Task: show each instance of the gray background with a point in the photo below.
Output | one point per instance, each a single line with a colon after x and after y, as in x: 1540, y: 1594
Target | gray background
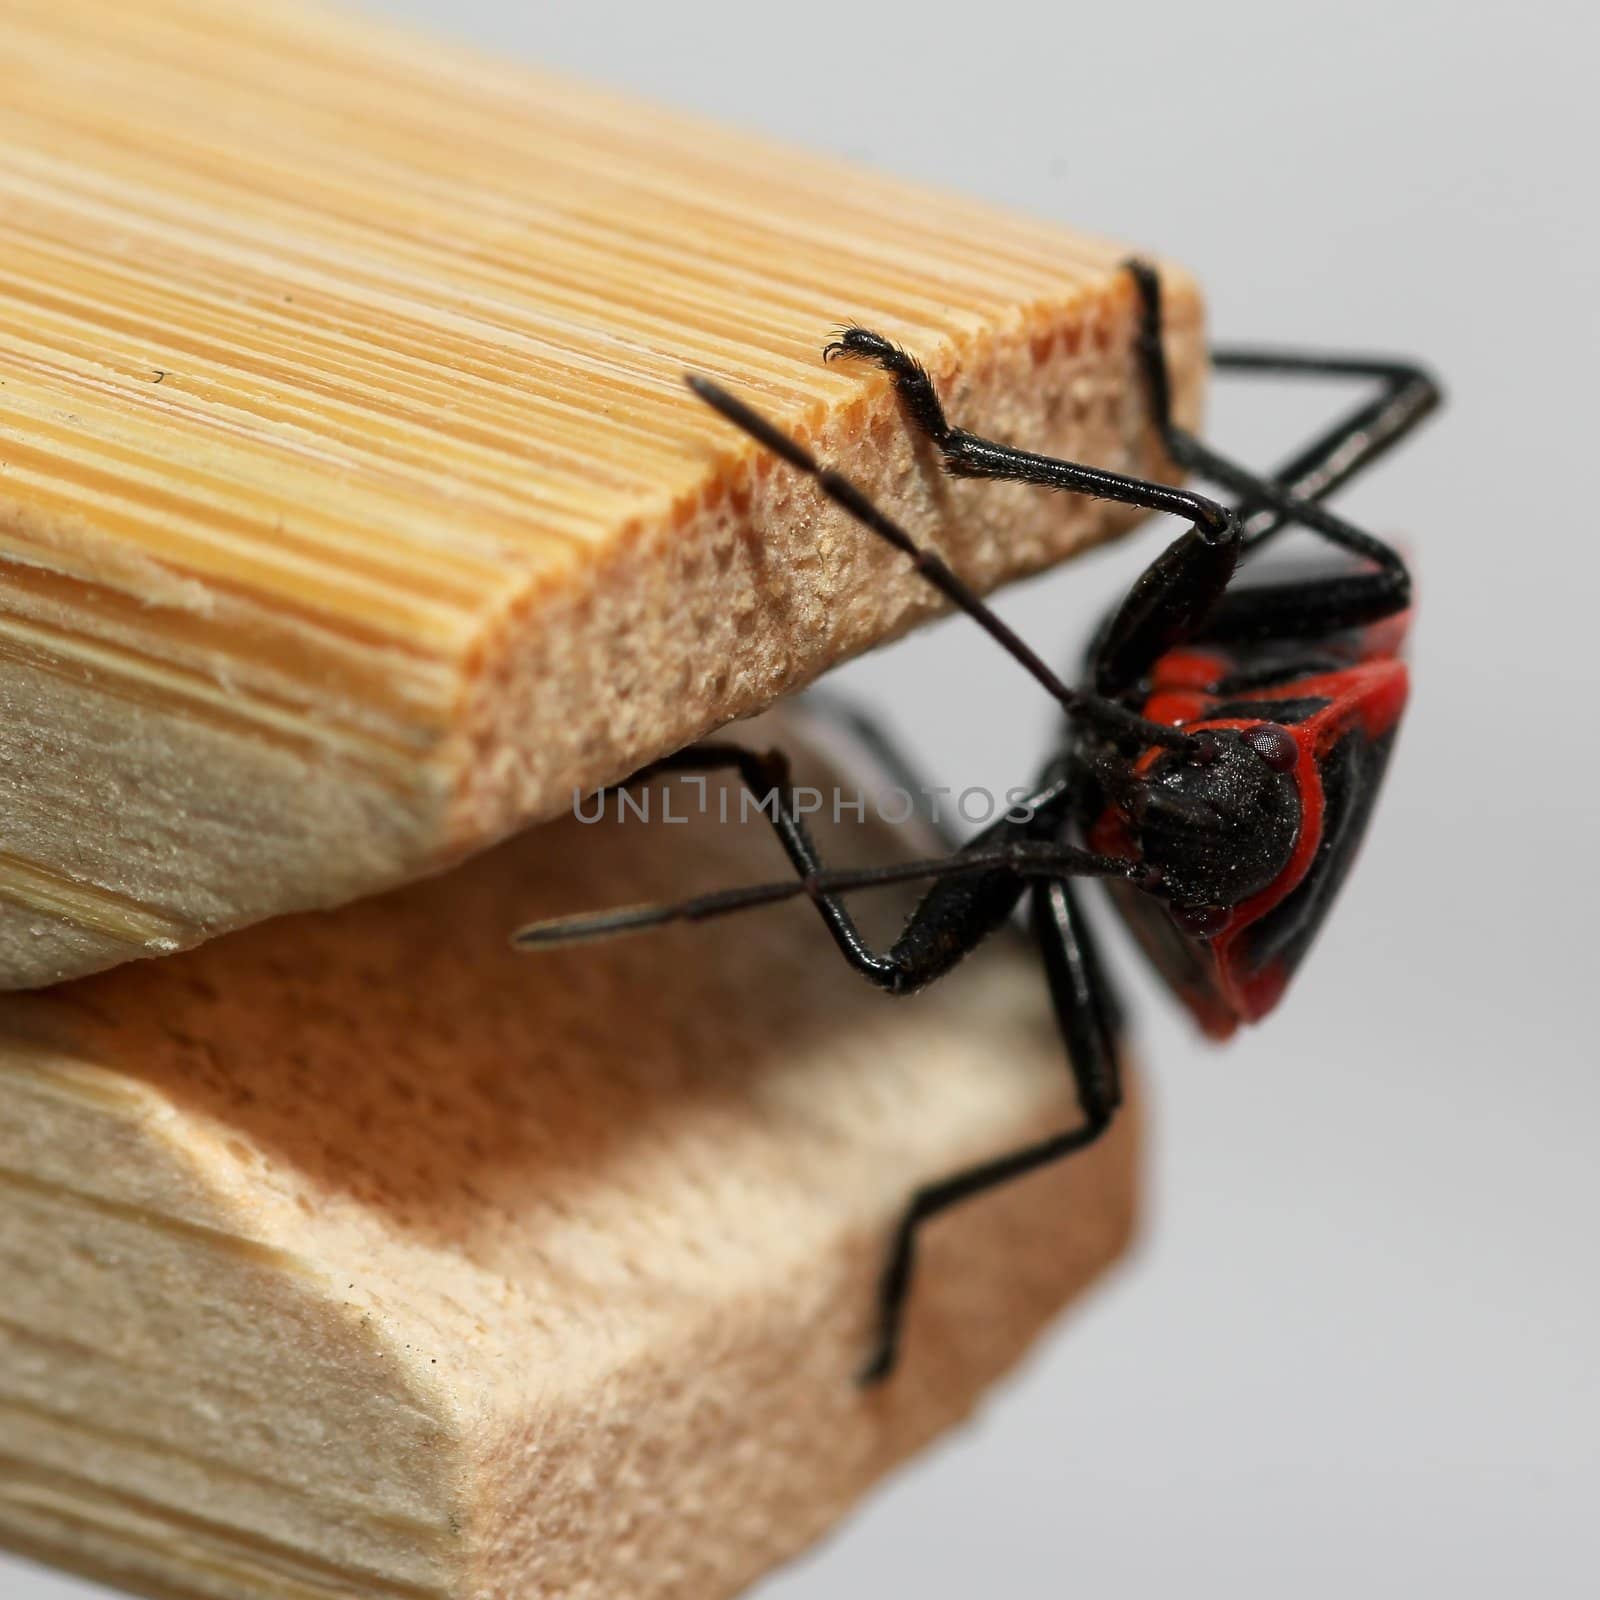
x: 1357, y: 1353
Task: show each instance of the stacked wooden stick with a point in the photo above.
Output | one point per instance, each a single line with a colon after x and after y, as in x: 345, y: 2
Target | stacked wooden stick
x: 354, y: 516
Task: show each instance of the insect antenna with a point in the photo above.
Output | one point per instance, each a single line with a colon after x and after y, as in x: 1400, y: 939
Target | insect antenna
x: 1028, y: 859
x: 931, y: 566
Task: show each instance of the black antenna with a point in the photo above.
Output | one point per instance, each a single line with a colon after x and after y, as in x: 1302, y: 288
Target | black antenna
x: 1027, y: 858
x: 845, y: 494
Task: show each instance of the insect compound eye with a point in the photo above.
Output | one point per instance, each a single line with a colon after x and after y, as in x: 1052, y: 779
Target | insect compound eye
x: 1201, y: 922
x: 1274, y: 744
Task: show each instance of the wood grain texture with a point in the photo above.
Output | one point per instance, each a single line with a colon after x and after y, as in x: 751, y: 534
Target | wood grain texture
x: 354, y: 1255
x: 352, y: 509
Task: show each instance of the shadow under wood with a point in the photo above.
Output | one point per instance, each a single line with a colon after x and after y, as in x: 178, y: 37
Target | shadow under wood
x: 399, y: 1054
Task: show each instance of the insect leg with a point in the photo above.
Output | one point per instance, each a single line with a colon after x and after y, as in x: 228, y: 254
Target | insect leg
x: 1107, y: 714
x: 966, y: 455
x: 767, y: 777
x: 1288, y: 610
x: 1405, y: 396
x: 1088, y: 1016
x: 1310, y: 607
x: 973, y: 893
x: 1171, y: 602
x: 1177, y: 591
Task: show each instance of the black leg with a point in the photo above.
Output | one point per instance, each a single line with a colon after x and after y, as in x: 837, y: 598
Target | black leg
x: 1309, y: 608
x: 1176, y: 592
x: 974, y: 889
x: 1185, y: 588
x: 1405, y: 396
x: 968, y: 456
x: 768, y: 776
x: 1113, y: 719
x: 1086, y: 1013
x: 1087, y: 1008
x: 1306, y: 608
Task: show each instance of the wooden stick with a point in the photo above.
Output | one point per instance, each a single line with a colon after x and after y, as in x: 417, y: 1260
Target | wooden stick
x: 353, y: 511
x: 355, y: 1255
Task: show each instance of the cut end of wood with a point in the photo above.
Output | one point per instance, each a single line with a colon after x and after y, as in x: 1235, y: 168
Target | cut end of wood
x: 353, y: 510
x: 355, y: 1254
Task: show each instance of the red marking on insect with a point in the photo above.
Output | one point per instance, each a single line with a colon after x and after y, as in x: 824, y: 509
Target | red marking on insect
x: 1229, y: 980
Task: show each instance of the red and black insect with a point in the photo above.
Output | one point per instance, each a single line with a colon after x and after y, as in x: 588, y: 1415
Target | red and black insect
x: 1217, y: 770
